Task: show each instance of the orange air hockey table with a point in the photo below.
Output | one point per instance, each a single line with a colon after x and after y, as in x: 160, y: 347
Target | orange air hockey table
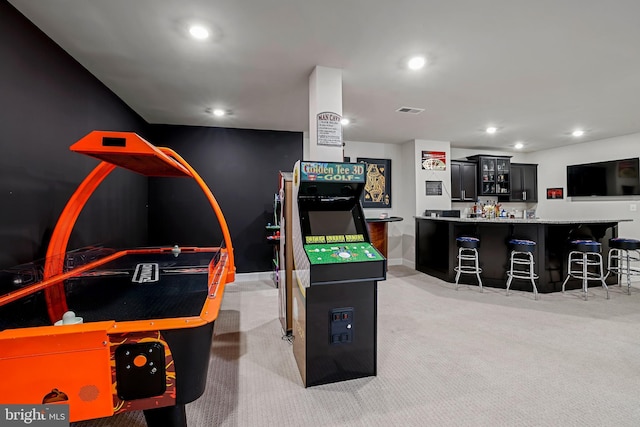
x: 140, y: 333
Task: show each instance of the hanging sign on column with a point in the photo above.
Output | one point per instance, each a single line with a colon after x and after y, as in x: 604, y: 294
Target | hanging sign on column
x: 329, y: 129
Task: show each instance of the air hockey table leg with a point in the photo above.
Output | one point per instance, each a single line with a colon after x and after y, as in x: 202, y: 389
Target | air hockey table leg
x: 167, y: 416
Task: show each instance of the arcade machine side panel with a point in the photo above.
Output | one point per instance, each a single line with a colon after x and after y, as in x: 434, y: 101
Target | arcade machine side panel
x: 286, y: 252
x: 300, y: 280
x: 53, y: 364
x: 299, y: 332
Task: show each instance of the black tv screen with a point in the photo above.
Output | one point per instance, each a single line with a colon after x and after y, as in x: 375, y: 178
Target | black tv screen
x: 610, y: 178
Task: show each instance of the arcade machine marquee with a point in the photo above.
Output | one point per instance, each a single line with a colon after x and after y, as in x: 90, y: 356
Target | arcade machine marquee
x: 139, y: 336
x: 336, y: 272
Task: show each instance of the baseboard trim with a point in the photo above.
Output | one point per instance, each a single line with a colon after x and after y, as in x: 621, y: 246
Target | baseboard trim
x: 258, y: 275
x: 410, y: 264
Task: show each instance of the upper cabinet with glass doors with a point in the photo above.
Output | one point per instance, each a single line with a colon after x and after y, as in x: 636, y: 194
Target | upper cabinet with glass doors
x: 494, y: 174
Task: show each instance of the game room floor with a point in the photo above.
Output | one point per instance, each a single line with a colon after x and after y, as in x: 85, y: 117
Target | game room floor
x: 445, y: 358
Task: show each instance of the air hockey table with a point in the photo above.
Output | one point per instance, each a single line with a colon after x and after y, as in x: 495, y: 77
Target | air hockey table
x: 116, y: 330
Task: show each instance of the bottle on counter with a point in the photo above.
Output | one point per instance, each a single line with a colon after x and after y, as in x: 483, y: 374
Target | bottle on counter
x: 489, y: 211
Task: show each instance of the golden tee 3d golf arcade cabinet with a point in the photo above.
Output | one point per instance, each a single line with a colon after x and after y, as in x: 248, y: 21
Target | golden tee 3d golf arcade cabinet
x: 336, y: 270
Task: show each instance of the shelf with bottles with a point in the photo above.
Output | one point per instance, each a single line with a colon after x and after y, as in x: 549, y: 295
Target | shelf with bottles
x: 273, y: 237
x: 494, y: 174
x: 273, y: 230
x: 502, y: 178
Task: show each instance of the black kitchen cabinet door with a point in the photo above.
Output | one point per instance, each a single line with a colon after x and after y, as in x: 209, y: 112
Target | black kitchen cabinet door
x: 524, y: 182
x: 463, y: 181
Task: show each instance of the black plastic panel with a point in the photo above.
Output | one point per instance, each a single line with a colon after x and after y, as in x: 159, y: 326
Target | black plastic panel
x: 348, y: 272
x: 137, y: 380
x: 342, y: 324
x: 114, y: 142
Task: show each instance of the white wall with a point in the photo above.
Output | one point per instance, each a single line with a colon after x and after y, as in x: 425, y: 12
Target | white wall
x: 408, y: 185
x: 409, y: 203
x: 424, y: 202
x: 416, y: 201
x: 463, y: 153
x: 552, y: 172
x: 372, y: 150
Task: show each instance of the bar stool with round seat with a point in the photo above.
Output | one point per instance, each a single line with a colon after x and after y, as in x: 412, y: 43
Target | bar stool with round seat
x: 468, y: 258
x: 584, y: 258
x: 522, y: 255
x: 622, y: 252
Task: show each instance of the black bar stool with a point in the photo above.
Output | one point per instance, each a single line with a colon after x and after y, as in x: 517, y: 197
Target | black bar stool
x: 583, y: 259
x: 621, y: 253
x: 522, y: 255
x: 468, y: 258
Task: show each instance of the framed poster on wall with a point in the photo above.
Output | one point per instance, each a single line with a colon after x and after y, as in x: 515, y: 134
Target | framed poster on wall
x: 377, y: 187
x: 329, y: 129
x: 555, y: 193
x: 433, y: 188
x: 434, y: 160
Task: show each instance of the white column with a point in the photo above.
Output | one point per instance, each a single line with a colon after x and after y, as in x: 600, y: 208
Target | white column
x: 325, y: 96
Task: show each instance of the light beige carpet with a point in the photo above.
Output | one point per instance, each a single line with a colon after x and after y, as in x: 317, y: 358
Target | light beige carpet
x: 445, y: 358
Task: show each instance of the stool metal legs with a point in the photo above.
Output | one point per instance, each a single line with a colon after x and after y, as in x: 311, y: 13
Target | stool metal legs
x: 623, y: 267
x: 466, y: 256
x: 522, y: 258
x: 582, y: 261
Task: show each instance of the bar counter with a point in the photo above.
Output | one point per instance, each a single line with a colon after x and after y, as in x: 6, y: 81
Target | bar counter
x: 436, y: 250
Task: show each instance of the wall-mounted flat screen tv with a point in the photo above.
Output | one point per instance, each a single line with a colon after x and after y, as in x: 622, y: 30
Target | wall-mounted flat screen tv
x: 610, y: 178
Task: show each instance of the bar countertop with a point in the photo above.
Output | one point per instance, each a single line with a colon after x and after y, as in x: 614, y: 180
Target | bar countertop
x: 437, y: 252
x: 523, y: 221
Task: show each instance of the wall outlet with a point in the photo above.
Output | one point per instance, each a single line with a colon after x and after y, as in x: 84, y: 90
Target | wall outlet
x: 633, y: 207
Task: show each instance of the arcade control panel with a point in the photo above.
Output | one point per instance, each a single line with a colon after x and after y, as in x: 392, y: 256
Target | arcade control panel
x: 341, y: 253
x: 344, y: 262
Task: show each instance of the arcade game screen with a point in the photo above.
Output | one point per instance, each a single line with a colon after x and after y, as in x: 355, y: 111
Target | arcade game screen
x: 324, y: 223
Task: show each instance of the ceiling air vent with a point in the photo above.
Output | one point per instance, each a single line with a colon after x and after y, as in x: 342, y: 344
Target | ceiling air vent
x: 410, y: 110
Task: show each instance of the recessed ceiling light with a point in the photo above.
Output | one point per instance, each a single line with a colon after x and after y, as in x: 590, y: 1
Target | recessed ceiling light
x: 518, y: 146
x: 417, y: 62
x: 492, y: 129
x: 198, y: 32
x: 577, y: 132
x: 218, y: 112
x: 344, y: 121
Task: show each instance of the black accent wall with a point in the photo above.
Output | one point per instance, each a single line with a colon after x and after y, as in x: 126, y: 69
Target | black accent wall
x: 241, y: 167
x: 47, y: 102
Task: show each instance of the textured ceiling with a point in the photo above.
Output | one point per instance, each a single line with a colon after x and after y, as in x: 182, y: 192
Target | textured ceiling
x: 534, y: 69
